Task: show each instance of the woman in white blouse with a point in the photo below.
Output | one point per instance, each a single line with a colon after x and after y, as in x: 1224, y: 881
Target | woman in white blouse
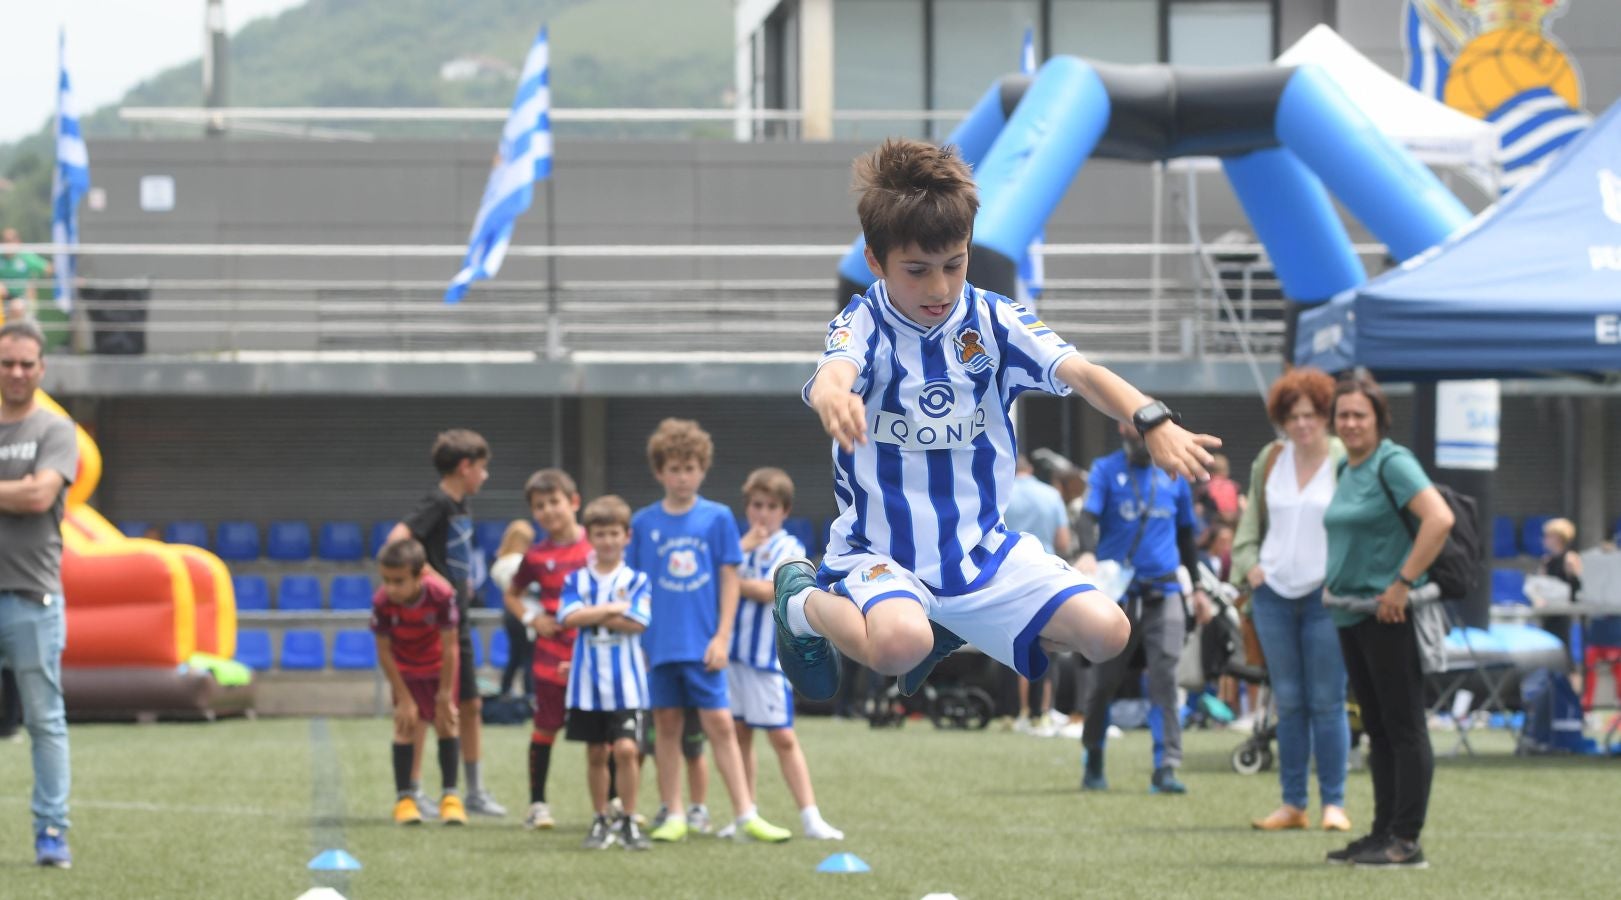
x: 1281, y: 554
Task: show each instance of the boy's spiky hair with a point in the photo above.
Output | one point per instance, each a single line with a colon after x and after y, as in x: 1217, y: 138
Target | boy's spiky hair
x: 914, y: 192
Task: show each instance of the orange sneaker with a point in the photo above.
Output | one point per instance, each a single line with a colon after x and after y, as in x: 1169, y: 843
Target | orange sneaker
x: 1335, y: 819
x: 1284, y: 818
x: 451, y: 811
x: 406, y: 812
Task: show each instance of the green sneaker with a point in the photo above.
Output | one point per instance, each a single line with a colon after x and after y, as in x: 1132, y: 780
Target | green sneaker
x: 810, y: 663
x: 758, y: 829
x: 674, y: 829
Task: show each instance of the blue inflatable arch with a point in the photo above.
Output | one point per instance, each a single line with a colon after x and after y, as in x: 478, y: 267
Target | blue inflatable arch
x: 1288, y: 139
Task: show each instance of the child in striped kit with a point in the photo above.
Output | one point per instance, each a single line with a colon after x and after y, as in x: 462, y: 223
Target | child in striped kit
x: 608, y: 603
x: 761, y: 696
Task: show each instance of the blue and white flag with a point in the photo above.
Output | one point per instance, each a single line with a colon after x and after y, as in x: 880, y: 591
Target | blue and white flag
x: 525, y: 157
x: 69, y: 181
x: 1032, y: 271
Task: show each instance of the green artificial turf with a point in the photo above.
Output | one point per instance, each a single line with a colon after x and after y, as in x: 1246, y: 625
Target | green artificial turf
x: 237, y: 809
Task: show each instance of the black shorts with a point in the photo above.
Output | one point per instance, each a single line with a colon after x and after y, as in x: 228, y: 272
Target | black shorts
x: 692, y: 736
x: 594, y: 726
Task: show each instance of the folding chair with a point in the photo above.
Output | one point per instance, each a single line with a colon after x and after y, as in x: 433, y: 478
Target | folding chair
x: 1471, y: 654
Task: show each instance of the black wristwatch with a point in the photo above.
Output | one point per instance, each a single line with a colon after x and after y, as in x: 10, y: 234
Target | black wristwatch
x: 1152, y: 416
x: 1411, y: 583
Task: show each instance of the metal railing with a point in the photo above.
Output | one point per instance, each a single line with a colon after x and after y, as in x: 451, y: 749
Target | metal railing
x: 225, y: 300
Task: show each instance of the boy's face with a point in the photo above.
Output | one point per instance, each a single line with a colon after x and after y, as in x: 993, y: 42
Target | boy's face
x: 923, y: 286
x: 554, y: 511
x: 400, y: 584
x: 680, y: 478
x: 608, y: 542
x: 765, y: 512
x: 473, y: 473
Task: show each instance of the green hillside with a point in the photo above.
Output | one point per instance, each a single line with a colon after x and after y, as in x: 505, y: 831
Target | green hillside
x: 651, y: 53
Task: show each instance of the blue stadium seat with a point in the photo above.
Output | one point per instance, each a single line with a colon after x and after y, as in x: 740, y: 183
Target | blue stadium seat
x: 134, y: 528
x: 487, y: 535
x: 237, y: 541
x: 252, y: 593
x: 351, y: 592
x: 299, y: 593
x: 379, y: 536
x: 1531, y: 535
x: 1508, y: 587
x: 186, y: 532
x: 353, y: 650
x: 303, y: 651
x: 1505, y: 539
x: 803, y: 529
x: 253, y: 649
x: 341, y: 542
x: 478, y: 648
x: 500, y: 650
x: 288, y: 541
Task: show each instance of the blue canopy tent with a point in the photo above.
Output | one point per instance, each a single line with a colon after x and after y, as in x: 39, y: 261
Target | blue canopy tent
x: 1533, y: 286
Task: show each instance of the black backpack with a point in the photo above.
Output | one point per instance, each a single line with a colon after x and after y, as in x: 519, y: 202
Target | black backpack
x: 1456, y: 569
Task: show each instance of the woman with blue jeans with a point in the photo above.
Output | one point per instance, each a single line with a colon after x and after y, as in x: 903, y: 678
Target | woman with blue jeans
x: 1280, y: 554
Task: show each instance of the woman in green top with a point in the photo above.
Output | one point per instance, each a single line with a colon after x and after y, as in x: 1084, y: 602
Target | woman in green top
x: 1371, y: 554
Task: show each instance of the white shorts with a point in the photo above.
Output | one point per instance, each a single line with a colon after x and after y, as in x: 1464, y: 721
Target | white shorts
x: 1003, y: 619
x: 760, y: 699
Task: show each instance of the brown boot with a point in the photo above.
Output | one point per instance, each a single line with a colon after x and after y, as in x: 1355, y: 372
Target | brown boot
x: 1284, y: 818
x: 1335, y: 819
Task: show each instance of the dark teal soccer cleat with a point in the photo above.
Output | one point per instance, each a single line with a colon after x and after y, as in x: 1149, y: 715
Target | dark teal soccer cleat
x: 945, y: 644
x: 811, y: 663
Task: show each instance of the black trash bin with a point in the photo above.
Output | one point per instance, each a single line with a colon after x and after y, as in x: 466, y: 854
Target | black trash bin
x: 117, y: 312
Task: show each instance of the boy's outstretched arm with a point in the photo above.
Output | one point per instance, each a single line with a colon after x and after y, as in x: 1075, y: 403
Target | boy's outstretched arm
x: 1174, y: 448
x: 843, y: 415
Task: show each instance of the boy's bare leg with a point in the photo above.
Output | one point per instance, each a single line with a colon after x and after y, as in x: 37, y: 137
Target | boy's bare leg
x: 627, y: 772
x: 667, y: 756
x: 596, y: 775
x: 723, y: 738
x: 745, y: 749
x: 697, y: 778
x: 890, y: 639
x: 1090, y: 624
x: 795, y: 771
x: 471, y: 714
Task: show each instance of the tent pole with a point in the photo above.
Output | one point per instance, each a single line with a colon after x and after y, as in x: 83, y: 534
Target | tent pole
x: 1476, y: 609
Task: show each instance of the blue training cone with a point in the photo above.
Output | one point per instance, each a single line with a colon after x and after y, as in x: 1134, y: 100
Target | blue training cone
x: 843, y: 862
x: 334, y: 861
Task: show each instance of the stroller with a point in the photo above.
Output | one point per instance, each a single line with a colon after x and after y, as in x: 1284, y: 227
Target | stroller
x: 1254, y: 755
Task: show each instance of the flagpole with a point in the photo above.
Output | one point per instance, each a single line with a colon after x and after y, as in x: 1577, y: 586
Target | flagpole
x: 554, y: 320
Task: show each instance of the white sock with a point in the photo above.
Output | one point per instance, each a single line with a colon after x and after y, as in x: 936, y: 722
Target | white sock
x: 810, y: 815
x: 798, y: 625
x: 748, y: 814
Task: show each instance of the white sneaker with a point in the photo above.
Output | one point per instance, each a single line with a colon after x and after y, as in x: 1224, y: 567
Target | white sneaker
x: 1073, y: 731
x: 481, y: 803
x: 1022, y: 725
x: 1114, y: 733
x: 698, y: 818
x: 819, y: 830
x: 727, y: 833
x: 540, y: 816
x: 1056, y: 719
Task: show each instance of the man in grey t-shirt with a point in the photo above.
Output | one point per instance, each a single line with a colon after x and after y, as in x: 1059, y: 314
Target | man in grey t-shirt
x: 39, y: 456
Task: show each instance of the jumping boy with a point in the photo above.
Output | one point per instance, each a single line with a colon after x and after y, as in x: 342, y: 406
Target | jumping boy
x: 414, y: 618
x: 688, y: 546
x: 761, y: 697
x: 443, y: 523
x: 554, y: 501
x: 915, y: 388
x: 607, y: 602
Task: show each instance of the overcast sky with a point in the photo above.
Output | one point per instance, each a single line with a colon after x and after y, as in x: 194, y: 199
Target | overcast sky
x: 112, y: 46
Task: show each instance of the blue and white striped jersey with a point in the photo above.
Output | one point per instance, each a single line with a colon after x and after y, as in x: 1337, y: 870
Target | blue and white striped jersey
x: 754, y: 637
x: 929, y: 486
x: 609, y: 671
